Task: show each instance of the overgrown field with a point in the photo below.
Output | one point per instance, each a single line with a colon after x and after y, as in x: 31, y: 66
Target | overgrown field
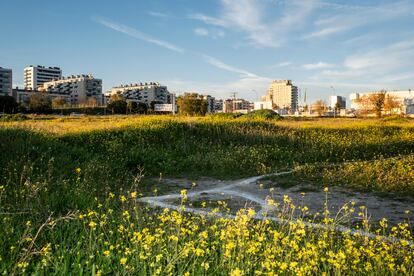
x: 68, y: 188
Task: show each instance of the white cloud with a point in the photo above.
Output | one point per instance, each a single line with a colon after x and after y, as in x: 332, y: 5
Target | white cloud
x: 319, y: 65
x: 251, y: 17
x: 137, y: 34
x: 350, y: 17
x: 389, y: 66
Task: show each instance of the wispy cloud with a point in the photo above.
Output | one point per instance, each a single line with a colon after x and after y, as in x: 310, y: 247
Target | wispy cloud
x: 350, y: 17
x: 159, y: 14
x: 221, y: 65
x: 209, y: 33
x: 281, y: 64
x: 318, y: 65
x: 137, y: 34
x: 252, y: 18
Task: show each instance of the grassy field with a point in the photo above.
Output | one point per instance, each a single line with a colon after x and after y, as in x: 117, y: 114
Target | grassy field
x: 68, y: 187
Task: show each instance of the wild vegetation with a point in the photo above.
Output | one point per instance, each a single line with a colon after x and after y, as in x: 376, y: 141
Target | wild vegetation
x: 68, y: 190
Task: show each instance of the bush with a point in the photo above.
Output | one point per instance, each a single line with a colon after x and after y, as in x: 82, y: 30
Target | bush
x: 262, y: 114
x: 13, y: 118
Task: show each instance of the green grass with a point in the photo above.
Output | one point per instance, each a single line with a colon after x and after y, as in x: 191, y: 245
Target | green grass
x: 55, y: 165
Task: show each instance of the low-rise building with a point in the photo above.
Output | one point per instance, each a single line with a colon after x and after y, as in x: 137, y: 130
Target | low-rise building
x: 6, y: 81
x: 78, y: 90
x: 218, y: 106
x: 237, y: 106
x: 22, y: 95
x: 142, y: 93
x: 263, y: 105
x: 403, y: 98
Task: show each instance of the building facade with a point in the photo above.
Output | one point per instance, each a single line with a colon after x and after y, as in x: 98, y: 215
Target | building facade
x: 404, y: 98
x: 211, y: 104
x: 142, y: 93
x: 22, y: 96
x: 35, y: 76
x: 263, y: 105
x: 77, y: 90
x: 283, y: 95
x: 6, y: 82
x: 337, y: 101
x: 237, y: 106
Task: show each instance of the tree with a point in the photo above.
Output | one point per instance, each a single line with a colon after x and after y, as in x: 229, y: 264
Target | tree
x: 320, y: 107
x: 58, y: 102
x: 192, y: 104
x: 132, y: 107
x: 377, y: 102
x: 40, y: 102
x: 142, y: 108
x: 117, y: 105
x: 391, y: 103
x: 92, y: 102
x: 8, y: 104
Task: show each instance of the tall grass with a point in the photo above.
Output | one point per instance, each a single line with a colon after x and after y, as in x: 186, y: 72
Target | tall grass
x: 59, y: 215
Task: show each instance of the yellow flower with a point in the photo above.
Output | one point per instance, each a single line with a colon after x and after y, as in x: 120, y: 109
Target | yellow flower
x: 133, y: 195
x: 205, y: 265
x: 236, y: 272
x: 326, y: 189
x: 106, y: 253
x: 78, y: 170
x: 123, y: 261
x: 92, y: 225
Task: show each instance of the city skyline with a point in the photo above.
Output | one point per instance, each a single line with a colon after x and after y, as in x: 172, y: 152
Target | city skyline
x: 218, y: 47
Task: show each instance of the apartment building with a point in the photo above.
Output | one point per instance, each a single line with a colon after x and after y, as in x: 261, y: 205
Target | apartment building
x: 142, y: 93
x: 77, y: 90
x: 35, y: 76
x: 283, y: 95
x: 6, y: 82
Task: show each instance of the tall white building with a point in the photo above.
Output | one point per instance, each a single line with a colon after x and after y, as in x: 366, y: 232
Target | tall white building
x: 6, y: 82
x: 77, y: 90
x: 283, y: 95
x: 335, y: 101
x: 142, y: 93
x: 35, y: 76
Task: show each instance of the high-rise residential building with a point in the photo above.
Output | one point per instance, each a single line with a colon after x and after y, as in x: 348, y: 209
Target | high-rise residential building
x: 142, y: 93
x: 337, y: 101
x: 35, y: 76
x: 6, y: 82
x: 283, y: 95
x: 77, y: 90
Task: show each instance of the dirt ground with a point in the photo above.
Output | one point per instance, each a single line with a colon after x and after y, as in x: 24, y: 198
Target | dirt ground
x: 208, y: 193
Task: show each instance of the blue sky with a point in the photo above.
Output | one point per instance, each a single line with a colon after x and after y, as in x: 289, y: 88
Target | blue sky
x: 218, y: 46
